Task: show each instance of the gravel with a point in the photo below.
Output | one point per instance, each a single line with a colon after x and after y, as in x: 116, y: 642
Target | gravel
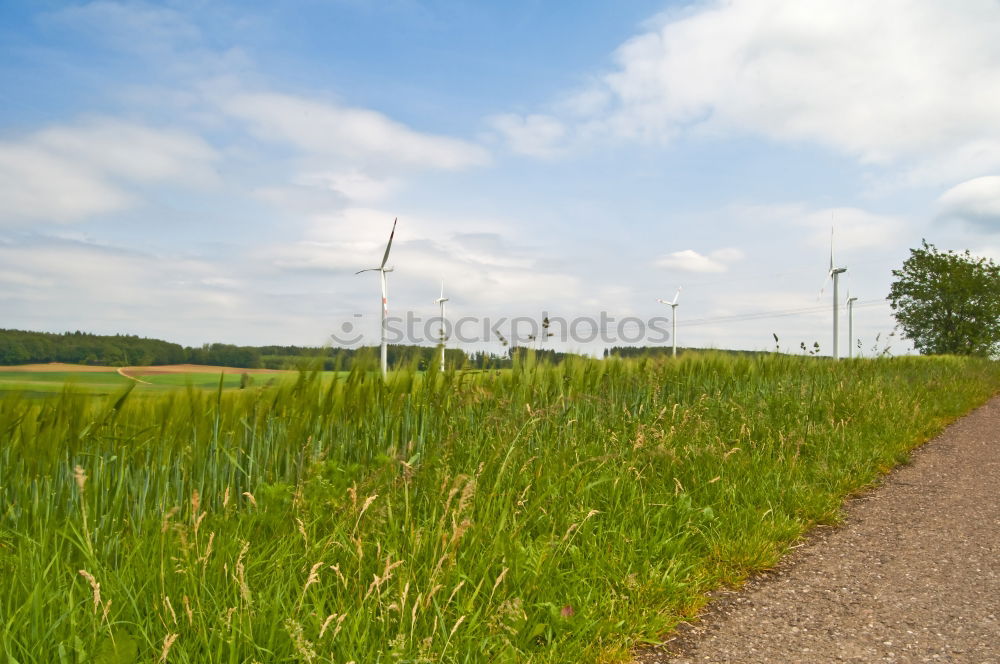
x: 912, y: 575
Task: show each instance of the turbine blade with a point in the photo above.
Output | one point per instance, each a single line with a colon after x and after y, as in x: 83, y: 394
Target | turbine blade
x: 676, y: 295
x: 385, y: 258
x: 822, y: 289
x: 831, y: 249
x: 367, y: 269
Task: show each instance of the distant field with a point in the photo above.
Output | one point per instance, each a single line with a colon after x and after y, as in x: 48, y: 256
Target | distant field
x: 56, y: 367
x: 15, y: 379
x: 52, y: 378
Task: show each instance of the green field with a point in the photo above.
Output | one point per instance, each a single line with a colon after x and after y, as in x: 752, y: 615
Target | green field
x: 206, y: 380
x: 54, y: 381
x: 545, y: 514
x: 38, y: 383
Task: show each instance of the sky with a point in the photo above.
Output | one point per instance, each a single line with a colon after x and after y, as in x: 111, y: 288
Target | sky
x: 208, y: 171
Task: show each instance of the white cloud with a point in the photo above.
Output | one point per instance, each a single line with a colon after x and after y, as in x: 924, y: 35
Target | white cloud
x: 170, y: 40
x: 55, y: 284
x: 69, y: 173
x: 310, y: 191
x: 359, y: 134
x: 853, y: 228
x: 988, y: 251
x: 976, y: 201
x: 484, y: 267
x: 37, y: 185
x: 899, y: 82
x: 353, y: 184
x: 134, y: 26
x: 690, y: 260
x: 533, y: 135
x: 132, y: 151
x: 106, y: 281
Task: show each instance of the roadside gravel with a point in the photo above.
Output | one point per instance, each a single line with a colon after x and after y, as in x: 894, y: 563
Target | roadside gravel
x: 913, y: 574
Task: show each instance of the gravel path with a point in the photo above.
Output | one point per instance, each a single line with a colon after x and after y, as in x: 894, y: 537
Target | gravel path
x: 913, y: 574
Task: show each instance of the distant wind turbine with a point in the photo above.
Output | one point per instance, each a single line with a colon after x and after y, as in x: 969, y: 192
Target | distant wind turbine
x: 382, y: 271
x: 850, y: 324
x: 673, y: 318
x: 834, y: 273
x: 441, y: 300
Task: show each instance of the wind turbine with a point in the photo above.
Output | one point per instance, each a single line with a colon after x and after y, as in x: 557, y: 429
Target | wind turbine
x: 441, y: 300
x: 382, y: 271
x: 850, y: 324
x: 673, y: 318
x: 834, y: 273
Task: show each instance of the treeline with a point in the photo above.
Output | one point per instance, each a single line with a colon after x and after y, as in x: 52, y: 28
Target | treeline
x: 24, y: 347
x: 332, y: 359
x: 658, y: 351
x: 21, y: 347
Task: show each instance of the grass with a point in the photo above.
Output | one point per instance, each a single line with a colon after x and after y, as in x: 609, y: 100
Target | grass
x: 544, y: 514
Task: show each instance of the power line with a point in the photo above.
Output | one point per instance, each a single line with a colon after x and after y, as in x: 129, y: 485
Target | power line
x: 760, y: 315
x: 771, y: 314
x: 623, y: 323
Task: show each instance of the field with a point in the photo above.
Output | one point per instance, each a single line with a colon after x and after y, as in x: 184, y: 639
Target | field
x: 545, y: 514
x: 47, y: 379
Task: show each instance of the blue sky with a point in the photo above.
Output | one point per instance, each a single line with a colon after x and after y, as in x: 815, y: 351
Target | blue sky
x: 213, y: 171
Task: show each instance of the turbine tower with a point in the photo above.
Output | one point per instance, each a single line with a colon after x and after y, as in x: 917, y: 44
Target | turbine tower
x: 834, y: 273
x: 673, y: 318
x: 850, y: 324
x: 382, y: 271
x: 441, y: 300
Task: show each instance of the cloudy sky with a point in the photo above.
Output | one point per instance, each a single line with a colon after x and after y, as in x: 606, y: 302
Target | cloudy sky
x: 218, y: 171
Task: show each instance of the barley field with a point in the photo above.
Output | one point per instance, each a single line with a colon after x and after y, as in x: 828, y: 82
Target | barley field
x: 545, y: 514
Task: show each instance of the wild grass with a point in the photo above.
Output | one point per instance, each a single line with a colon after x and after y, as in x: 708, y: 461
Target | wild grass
x: 544, y: 514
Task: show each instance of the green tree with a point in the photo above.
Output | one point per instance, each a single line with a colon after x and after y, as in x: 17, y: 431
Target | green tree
x: 947, y: 302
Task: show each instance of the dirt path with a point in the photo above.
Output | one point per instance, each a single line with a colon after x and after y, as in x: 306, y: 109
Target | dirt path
x: 913, y: 575
x: 121, y: 372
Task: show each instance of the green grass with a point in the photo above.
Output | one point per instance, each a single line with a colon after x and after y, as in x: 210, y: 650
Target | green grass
x: 545, y: 514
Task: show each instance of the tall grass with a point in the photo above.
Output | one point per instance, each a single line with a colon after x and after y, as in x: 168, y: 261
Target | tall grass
x: 544, y: 514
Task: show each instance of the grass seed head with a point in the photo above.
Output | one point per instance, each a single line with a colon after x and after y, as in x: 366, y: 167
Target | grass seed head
x: 80, y: 476
x: 168, y: 642
x: 95, y: 587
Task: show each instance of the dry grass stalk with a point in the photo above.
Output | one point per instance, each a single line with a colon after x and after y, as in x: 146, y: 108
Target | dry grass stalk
x: 95, y: 587
x: 240, y: 576
x: 80, y: 476
x: 168, y: 641
x: 188, y: 610
x: 169, y: 608
x: 310, y: 580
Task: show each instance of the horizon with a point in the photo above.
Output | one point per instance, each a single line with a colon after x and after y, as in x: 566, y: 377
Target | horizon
x: 194, y: 172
